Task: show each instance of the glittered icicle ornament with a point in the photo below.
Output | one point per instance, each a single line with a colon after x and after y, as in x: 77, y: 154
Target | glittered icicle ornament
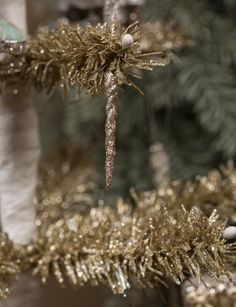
x: 111, y: 92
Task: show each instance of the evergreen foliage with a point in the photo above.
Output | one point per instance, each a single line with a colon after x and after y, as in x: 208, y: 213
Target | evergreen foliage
x: 197, y: 93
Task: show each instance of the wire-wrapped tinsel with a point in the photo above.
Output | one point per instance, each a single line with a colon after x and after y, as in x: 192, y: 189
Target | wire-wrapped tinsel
x: 9, y: 265
x: 74, y: 55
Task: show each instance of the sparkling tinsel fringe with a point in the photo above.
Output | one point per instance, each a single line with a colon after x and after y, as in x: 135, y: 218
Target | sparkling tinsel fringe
x: 151, y: 244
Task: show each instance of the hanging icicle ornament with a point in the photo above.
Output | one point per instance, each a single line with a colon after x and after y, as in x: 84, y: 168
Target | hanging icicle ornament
x: 111, y: 113
x: 99, y: 59
x: 111, y: 92
x: 71, y: 55
x: 85, y: 56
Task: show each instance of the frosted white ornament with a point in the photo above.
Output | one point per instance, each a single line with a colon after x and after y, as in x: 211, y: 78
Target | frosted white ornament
x: 229, y: 233
x: 127, y: 41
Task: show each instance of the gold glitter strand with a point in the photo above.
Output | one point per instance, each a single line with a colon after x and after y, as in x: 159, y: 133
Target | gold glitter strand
x: 111, y: 92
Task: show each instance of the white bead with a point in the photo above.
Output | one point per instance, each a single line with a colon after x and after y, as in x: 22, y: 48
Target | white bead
x: 229, y: 233
x: 127, y: 41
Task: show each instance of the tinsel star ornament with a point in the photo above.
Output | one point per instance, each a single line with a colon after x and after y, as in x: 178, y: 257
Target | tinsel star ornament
x: 12, y: 48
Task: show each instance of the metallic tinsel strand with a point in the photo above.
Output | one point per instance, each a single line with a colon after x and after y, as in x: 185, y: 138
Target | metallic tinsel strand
x: 116, y: 246
x: 111, y: 92
x: 72, y: 55
x: 148, y: 244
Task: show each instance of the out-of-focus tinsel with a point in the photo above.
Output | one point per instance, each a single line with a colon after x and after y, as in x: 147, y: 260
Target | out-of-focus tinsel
x: 214, y: 191
x: 163, y: 37
x: 9, y: 265
x: 210, y: 294
x: 65, y: 185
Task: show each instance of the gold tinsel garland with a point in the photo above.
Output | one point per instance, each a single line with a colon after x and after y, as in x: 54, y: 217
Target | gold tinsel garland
x: 150, y: 244
x: 73, y: 55
x: 112, y: 247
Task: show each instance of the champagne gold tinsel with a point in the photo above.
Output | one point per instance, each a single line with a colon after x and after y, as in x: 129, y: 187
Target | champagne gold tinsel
x: 112, y: 246
x: 82, y: 56
x: 210, y: 294
x: 214, y: 191
x: 157, y: 241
